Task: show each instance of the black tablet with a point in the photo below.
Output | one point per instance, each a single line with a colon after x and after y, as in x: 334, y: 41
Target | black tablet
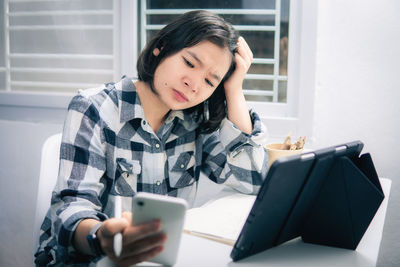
x: 299, y: 190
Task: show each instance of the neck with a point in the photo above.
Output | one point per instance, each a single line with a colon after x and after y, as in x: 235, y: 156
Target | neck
x: 154, y: 109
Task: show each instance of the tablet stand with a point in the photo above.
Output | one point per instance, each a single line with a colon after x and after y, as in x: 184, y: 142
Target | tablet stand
x: 347, y: 201
x: 328, y: 197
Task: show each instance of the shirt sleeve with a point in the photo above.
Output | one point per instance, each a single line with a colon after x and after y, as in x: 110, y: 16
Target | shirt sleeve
x: 237, y: 158
x: 78, y: 189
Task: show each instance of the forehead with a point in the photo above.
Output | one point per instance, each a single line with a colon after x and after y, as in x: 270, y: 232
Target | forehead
x: 211, y: 56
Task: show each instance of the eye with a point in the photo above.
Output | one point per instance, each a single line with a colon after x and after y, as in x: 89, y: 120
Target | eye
x: 188, y: 63
x: 209, y: 83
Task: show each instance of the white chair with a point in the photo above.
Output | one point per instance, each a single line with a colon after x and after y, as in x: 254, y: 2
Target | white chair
x: 47, y: 181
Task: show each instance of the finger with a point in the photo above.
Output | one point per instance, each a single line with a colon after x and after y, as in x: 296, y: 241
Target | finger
x: 242, y: 63
x: 241, y: 50
x: 145, y: 256
x: 246, y: 48
x: 128, y: 216
x: 242, y: 58
x: 112, y: 226
x: 245, y: 52
x: 143, y: 245
x: 136, y: 232
x: 107, y: 232
x: 140, y: 247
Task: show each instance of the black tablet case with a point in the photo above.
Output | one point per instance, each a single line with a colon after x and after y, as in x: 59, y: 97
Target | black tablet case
x: 327, y: 197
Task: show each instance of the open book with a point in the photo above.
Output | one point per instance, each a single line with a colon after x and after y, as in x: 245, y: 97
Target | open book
x: 221, y: 219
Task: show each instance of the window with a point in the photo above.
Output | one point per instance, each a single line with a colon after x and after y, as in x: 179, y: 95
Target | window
x: 63, y: 45
x: 264, y: 25
x: 3, y: 69
x: 57, y: 46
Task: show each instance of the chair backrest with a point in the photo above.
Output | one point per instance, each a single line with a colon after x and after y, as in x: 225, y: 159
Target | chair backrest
x: 47, y: 181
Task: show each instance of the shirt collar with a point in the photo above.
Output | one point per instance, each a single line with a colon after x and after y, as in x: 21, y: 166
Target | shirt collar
x: 130, y: 107
x: 175, y: 114
x: 128, y: 101
x: 186, y: 120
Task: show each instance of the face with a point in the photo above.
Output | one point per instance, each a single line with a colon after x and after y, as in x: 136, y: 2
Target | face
x: 190, y: 76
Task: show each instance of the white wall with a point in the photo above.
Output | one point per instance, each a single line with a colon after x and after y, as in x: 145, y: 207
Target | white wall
x: 20, y: 152
x: 358, y: 91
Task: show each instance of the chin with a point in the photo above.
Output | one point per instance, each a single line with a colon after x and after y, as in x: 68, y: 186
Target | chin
x: 175, y: 105
x: 179, y: 107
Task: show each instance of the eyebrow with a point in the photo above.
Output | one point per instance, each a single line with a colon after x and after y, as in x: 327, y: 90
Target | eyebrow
x: 216, y: 77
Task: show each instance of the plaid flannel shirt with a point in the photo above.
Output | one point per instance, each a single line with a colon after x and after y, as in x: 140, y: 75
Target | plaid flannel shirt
x: 109, y: 149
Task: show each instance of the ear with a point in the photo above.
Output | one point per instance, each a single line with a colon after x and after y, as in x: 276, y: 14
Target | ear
x: 156, y: 51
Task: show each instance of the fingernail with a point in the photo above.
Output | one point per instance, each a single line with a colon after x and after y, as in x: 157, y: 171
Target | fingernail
x: 157, y: 224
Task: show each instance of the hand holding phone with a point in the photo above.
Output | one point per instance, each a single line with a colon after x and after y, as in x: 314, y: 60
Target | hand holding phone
x: 140, y: 243
x: 170, y: 211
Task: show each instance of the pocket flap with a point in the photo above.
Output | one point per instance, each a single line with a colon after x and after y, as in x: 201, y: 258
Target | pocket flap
x: 181, y: 162
x: 181, y: 170
x: 129, y: 166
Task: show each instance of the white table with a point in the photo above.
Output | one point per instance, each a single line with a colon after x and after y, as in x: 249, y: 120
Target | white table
x: 196, y: 251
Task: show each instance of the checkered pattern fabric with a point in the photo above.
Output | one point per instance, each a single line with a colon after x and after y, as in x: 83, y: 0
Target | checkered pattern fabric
x: 109, y: 149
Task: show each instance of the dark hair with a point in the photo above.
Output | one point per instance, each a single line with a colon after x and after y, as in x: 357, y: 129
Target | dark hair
x: 188, y: 30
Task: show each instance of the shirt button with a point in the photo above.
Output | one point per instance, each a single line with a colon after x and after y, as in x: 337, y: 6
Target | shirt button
x: 182, y: 166
x: 143, y: 122
x: 157, y: 145
x: 158, y: 183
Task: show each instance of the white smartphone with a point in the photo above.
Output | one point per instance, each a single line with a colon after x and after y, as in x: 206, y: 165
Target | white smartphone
x: 171, y: 211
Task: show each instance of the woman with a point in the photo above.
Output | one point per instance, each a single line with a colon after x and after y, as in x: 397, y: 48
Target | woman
x: 185, y: 114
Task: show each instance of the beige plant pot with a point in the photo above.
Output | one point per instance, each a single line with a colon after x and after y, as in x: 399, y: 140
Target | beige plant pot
x: 274, y: 152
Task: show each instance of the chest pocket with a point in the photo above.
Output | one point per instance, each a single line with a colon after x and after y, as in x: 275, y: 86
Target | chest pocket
x: 181, y: 170
x: 126, y: 176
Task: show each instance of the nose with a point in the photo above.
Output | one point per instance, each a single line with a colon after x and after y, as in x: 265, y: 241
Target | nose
x: 191, y: 84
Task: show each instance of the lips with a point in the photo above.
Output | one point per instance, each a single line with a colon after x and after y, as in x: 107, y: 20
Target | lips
x: 179, y: 96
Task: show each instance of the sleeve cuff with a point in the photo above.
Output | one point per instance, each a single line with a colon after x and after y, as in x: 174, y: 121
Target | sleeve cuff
x: 235, y: 141
x: 68, y: 228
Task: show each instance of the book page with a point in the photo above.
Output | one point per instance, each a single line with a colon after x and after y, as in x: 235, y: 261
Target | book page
x: 221, y: 218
